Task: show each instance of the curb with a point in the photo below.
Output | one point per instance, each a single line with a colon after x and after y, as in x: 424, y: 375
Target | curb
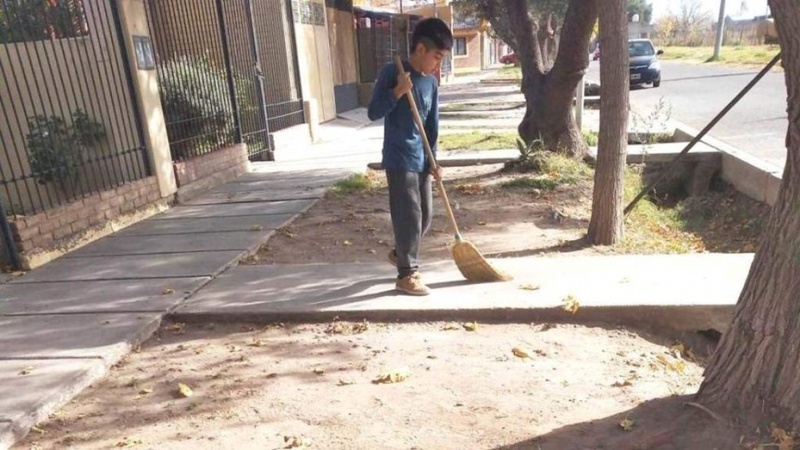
x: 683, y: 322
x: 750, y: 175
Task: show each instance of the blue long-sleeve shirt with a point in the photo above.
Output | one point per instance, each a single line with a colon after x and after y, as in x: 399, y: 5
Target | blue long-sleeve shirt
x: 402, y: 142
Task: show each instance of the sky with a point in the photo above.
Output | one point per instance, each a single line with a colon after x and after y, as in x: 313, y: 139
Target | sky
x: 733, y: 8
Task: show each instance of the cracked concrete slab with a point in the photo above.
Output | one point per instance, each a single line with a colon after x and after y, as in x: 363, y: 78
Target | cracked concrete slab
x: 627, y: 287
x: 97, y: 296
x: 207, y: 225
x: 102, y: 336
x: 174, y: 243
x: 175, y: 265
x: 225, y: 197
x: 236, y: 209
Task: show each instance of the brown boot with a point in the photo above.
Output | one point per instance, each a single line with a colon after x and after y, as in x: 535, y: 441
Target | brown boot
x: 412, y: 285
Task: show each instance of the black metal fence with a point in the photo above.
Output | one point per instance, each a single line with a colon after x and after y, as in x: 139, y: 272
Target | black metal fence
x: 69, y: 126
x: 380, y: 36
x: 215, y: 88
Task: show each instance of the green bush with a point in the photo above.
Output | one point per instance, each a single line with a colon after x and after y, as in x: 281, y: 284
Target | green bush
x: 196, y: 102
x: 57, y: 150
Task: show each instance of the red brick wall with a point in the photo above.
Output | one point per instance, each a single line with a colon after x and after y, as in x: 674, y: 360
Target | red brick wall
x: 58, y: 228
x: 230, y: 161
x: 473, y: 58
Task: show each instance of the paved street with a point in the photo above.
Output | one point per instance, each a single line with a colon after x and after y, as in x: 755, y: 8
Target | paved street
x: 697, y: 92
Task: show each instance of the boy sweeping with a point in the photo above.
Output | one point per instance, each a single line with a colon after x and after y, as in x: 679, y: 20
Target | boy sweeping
x: 408, y: 171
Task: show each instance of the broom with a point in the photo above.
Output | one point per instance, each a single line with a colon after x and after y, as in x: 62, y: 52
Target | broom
x: 469, y: 260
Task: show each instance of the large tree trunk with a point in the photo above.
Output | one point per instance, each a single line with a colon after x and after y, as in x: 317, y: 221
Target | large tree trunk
x: 549, y: 92
x: 757, y: 364
x: 605, y: 226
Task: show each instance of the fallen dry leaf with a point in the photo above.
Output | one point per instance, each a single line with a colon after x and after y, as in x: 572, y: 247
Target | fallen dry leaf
x: 178, y: 328
x: 184, y: 390
x: 296, y: 442
x: 395, y: 376
x: 627, y: 423
x: 168, y: 291
x: 677, y: 366
x: 38, y: 430
x: 318, y: 371
x: 128, y: 442
x: 784, y: 439
x: 347, y: 243
x: 451, y: 327
x: 571, y: 304
x: 520, y: 353
x: 470, y: 326
x: 146, y: 391
x: 482, y: 223
x: 621, y: 383
x: 345, y: 383
x: 257, y: 343
x: 256, y: 228
x: 27, y: 371
x: 529, y: 287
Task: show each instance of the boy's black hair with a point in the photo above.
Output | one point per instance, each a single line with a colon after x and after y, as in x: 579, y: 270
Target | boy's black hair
x: 433, y: 33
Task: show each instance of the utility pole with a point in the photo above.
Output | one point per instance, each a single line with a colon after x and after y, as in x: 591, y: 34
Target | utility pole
x: 720, y: 30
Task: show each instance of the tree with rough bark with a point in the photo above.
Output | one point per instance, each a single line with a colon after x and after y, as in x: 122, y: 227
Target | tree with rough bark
x: 551, y: 38
x: 755, y: 369
x: 606, y: 224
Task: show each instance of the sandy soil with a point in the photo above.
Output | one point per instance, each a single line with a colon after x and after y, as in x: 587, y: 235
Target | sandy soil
x: 532, y: 386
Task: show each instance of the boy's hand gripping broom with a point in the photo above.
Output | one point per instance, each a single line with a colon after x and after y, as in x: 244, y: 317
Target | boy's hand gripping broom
x: 468, y: 259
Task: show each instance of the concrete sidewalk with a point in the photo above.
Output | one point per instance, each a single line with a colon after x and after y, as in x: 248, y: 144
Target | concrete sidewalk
x: 62, y: 326
x: 671, y: 293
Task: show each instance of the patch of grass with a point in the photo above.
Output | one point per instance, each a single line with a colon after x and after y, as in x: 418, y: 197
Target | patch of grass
x: 745, y: 55
x: 591, y: 138
x: 354, y: 183
x: 492, y: 141
x: 724, y: 221
x: 543, y: 182
x: 477, y: 141
x: 727, y: 220
x: 554, y: 170
x: 508, y: 73
x: 650, y: 228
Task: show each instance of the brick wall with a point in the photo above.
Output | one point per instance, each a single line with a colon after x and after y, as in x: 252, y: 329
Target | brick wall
x: 44, y: 236
x: 472, y: 60
x: 207, y: 171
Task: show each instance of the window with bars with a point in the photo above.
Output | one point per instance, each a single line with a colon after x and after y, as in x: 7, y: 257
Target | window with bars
x: 460, y: 46
x: 40, y: 20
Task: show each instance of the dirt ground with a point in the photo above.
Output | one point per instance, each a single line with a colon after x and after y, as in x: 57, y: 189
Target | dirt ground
x: 535, y: 386
x: 501, y: 222
x: 357, y: 228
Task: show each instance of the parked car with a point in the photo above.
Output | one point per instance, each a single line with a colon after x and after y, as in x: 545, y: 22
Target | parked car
x: 510, y: 58
x: 645, y: 68
x: 596, y: 53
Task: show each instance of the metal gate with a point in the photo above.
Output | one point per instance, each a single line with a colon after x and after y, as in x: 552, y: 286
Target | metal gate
x: 69, y: 127
x: 227, y: 73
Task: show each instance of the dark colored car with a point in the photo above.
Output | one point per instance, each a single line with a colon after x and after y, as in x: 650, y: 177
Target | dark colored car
x: 645, y: 67
x: 510, y: 58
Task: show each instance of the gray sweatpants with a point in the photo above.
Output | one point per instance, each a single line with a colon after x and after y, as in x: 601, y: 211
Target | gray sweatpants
x: 410, y: 204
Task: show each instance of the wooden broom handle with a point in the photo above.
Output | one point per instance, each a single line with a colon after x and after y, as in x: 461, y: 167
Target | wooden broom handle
x: 418, y: 120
